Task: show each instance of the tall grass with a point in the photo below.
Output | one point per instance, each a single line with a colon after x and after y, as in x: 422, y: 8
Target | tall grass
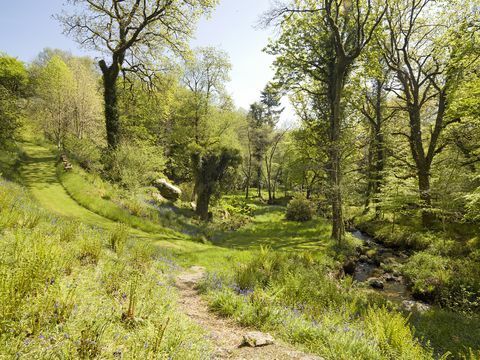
x: 100, y: 201
x: 297, y: 297
x: 64, y: 290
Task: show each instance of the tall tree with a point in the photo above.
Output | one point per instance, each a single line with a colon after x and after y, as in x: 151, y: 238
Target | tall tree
x: 205, y: 76
x: 372, y: 103
x: 426, y: 71
x: 133, y: 33
x: 317, y: 48
x: 55, y: 88
x: 13, y: 81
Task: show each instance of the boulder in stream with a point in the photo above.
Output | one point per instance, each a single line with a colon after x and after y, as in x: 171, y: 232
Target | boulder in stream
x: 376, y: 283
x: 411, y: 305
x: 349, y: 266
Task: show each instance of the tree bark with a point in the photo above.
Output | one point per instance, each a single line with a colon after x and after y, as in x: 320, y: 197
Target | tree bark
x: 203, y: 202
x: 335, y: 173
x: 112, y: 118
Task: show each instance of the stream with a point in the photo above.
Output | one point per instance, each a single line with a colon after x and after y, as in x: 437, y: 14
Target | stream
x: 379, y: 266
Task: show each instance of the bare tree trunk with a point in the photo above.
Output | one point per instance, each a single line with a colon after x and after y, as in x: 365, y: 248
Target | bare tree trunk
x: 335, y: 94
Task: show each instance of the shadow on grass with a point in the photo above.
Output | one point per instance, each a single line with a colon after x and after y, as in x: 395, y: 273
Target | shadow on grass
x: 449, y: 331
x: 269, y: 228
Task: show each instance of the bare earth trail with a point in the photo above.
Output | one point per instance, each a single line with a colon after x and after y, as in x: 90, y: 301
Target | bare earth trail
x: 224, y: 334
x: 39, y: 175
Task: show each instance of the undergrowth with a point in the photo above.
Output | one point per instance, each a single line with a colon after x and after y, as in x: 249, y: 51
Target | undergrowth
x: 299, y: 297
x: 70, y: 291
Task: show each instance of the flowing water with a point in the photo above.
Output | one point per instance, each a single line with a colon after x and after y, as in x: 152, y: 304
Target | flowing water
x: 373, y: 266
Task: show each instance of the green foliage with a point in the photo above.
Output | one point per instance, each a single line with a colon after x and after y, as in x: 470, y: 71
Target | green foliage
x: 291, y: 294
x: 135, y: 165
x: 300, y: 209
x: 48, y: 296
x: 13, y: 81
x: 85, y: 151
x: 118, y: 238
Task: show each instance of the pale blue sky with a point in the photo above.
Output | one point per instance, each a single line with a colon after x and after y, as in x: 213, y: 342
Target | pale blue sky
x: 26, y: 27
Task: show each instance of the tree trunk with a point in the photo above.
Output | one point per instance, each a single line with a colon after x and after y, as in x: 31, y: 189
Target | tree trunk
x: 425, y: 197
x: 203, y: 202
x: 247, y: 188
x: 379, y: 168
x: 259, y: 182
x: 335, y: 93
x: 112, y: 119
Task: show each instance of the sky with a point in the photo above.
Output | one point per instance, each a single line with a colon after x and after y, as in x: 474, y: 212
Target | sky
x: 27, y: 27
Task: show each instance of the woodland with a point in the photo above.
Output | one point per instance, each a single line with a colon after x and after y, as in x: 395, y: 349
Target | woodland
x: 349, y: 232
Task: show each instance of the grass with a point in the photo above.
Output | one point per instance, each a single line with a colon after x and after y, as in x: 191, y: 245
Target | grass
x: 64, y: 291
x: 89, y: 196
x: 111, y: 296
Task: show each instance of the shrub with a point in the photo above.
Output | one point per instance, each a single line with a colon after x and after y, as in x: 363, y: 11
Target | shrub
x: 85, y: 151
x: 427, y: 274
x: 118, y: 238
x: 300, y: 209
x: 134, y: 165
x: 89, y: 248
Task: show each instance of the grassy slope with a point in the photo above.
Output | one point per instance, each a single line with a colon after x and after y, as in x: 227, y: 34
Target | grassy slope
x: 268, y: 229
x: 39, y: 176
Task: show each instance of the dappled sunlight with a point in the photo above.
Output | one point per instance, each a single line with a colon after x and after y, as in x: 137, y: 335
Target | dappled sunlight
x: 269, y: 228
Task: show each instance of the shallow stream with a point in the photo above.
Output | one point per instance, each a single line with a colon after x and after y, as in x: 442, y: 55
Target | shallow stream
x: 379, y: 266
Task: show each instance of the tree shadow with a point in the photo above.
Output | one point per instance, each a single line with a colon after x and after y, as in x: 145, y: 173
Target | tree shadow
x: 270, y: 229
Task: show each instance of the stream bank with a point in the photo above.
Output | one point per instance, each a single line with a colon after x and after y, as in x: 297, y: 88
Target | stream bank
x: 380, y: 267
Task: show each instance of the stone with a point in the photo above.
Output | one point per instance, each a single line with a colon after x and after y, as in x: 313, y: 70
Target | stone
x: 390, y: 277
x: 349, y: 267
x: 376, y: 283
x: 158, y: 198
x: 411, y: 305
x: 364, y: 258
x: 257, y: 338
x: 167, y: 190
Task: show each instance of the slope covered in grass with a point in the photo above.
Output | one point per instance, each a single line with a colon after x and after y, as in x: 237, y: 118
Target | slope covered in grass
x: 69, y: 290
x: 292, y: 293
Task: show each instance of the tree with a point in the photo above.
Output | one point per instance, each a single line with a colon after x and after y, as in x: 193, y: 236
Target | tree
x: 271, y: 176
x: 13, y: 81
x: 317, y: 48
x: 133, y: 33
x: 426, y: 73
x: 371, y: 101
x: 210, y: 168
x: 86, y: 100
x: 55, y: 88
x: 263, y: 117
x: 205, y: 76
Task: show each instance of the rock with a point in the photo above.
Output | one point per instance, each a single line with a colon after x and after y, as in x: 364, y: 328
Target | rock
x: 167, y: 190
x: 257, y: 338
x: 376, y: 283
x: 389, y: 277
x: 349, y: 267
x: 193, y: 205
x: 411, y: 305
x: 364, y: 258
x: 158, y: 198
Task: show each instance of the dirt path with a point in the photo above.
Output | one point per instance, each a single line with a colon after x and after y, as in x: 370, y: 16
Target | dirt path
x: 224, y: 334
x: 39, y: 175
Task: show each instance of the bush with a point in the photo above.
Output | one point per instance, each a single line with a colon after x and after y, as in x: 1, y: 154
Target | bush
x: 300, y: 209
x: 427, y: 274
x: 85, y: 151
x: 118, y: 238
x: 134, y: 165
